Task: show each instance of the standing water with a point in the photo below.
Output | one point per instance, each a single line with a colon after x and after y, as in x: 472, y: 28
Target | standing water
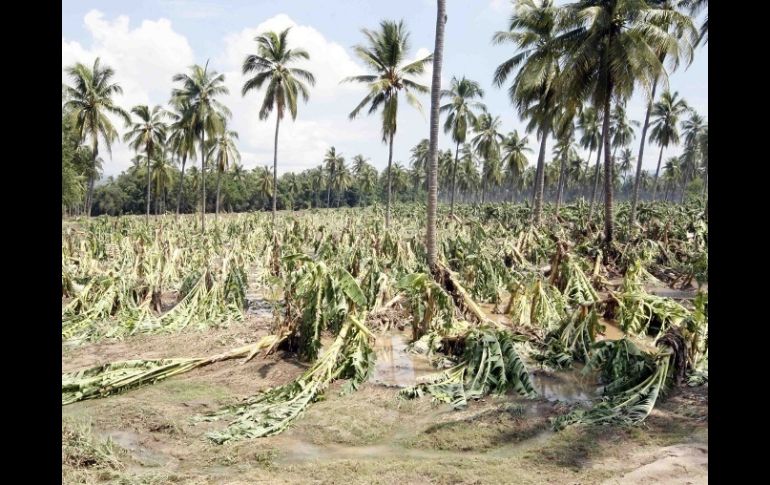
x: 395, y: 365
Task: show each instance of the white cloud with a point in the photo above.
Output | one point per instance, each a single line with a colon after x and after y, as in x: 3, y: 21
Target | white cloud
x: 191, y: 9
x: 144, y: 59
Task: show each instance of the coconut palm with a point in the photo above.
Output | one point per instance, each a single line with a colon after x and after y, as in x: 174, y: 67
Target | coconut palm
x: 611, y: 45
x: 672, y: 173
x: 564, y: 150
x: 461, y: 117
x: 206, y: 114
x: 359, y: 164
x: 162, y: 173
x: 385, y: 55
x: 692, y: 130
x: 317, y: 182
x: 89, y: 101
x: 487, y: 146
x: 514, y: 158
x: 148, y: 133
x: 419, y: 157
x: 469, y: 177
x: 673, y: 53
x: 265, y: 182
x: 368, y: 181
x: 342, y: 179
x: 181, y: 140
x: 626, y: 162
x: 589, y: 124
x: 433, y: 153
x: 224, y: 151
x: 695, y: 7
x: 533, y: 28
x: 333, y: 161
x: 271, y: 64
x: 665, y: 132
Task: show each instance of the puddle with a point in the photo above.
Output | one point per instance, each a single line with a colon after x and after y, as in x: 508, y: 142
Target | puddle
x: 611, y: 330
x: 489, y: 311
x: 259, y: 307
x: 569, y: 387
x: 395, y: 366
x: 666, y: 292
x: 131, y: 442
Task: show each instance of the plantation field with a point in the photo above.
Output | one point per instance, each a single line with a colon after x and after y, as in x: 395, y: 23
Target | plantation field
x: 325, y: 351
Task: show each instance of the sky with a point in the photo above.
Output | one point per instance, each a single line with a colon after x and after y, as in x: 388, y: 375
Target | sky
x: 146, y: 42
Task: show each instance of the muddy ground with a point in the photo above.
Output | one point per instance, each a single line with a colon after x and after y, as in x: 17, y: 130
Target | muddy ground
x: 147, y: 436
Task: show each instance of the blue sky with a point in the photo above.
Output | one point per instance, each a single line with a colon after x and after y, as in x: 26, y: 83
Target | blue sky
x: 146, y: 42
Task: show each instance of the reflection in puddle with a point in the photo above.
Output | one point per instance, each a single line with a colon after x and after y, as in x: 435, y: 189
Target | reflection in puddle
x: 570, y: 386
x: 395, y: 366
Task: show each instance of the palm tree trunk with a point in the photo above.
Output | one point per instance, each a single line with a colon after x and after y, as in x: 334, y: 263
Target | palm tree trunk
x: 390, y: 161
x: 275, y: 167
x: 181, y: 186
x: 219, y: 186
x: 561, y: 184
x: 203, y: 181
x: 435, y: 91
x: 596, y: 176
x: 668, y: 186
x: 92, y: 176
x: 657, y: 172
x: 588, y: 167
x: 684, y: 186
x: 454, y: 181
x: 537, y: 196
x: 329, y: 189
x: 147, y: 216
x: 608, y: 220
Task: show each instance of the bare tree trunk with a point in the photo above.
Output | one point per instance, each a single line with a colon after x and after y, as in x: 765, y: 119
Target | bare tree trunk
x: 92, y: 176
x: 560, y: 184
x: 608, y: 219
x: 537, y: 196
x: 454, y: 181
x: 596, y: 176
x: 219, y: 186
x: 390, y: 162
x: 275, y: 166
x: 203, y: 181
x: 657, y: 172
x: 181, y: 186
x: 147, y: 216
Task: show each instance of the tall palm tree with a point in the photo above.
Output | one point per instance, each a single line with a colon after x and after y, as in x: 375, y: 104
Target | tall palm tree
x: 161, y: 178
x: 384, y: 56
x: 470, y: 179
x: 342, y: 179
x: 316, y: 182
x: 591, y: 139
x: 564, y: 151
x: 148, y: 133
x: 672, y: 173
x: 284, y: 84
x: 368, y: 181
x: 514, y: 158
x: 626, y: 162
x: 692, y: 129
x: 695, y: 7
x: 665, y: 132
x: 181, y: 140
x: 206, y: 114
x: 435, y: 93
x: 487, y: 146
x: 533, y: 28
x: 461, y: 117
x: 611, y: 45
x: 681, y: 26
x: 266, y: 183
x: 89, y: 101
x: 224, y: 152
x: 333, y: 161
x: 359, y: 164
x: 420, y: 158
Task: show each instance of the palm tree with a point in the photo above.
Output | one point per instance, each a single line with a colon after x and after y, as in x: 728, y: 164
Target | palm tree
x: 206, y: 114
x: 271, y: 64
x: 461, y: 117
x: 681, y: 25
x: 266, y: 183
x: 514, y: 158
x: 591, y: 139
x: 148, y: 133
x: 384, y: 56
x: 445, y: 167
x: 161, y: 178
x: 359, y: 164
x: 333, y: 161
x: 666, y: 114
x: 532, y: 29
x: 695, y: 7
x: 470, y: 180
x: 487, y: 146
x: 626, y: 162
x: 692, y: 129
x: 672, y: 173
x: 420, y: 158
x: 368, y: 181
x: 342, y: 179
x: 564, y: 151
x: 316, y: 182
x: 89, y: 101
x: 435, y: 93
x: 224, y: 151
x: 181, y: 140
x: 611, y: 45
